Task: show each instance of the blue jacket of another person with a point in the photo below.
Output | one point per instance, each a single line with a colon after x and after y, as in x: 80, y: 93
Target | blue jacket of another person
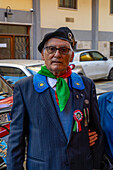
x: 106, y: 116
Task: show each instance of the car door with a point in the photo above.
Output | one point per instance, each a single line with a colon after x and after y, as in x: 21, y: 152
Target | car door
x: 101, y: 65
x: 94, y: 64
x: 87, y: 63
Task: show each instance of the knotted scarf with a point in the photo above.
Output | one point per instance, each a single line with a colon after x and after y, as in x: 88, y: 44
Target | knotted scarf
x: 62, y: 89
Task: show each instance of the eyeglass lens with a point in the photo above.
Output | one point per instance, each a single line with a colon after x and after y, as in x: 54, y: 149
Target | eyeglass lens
x: 52, y: 50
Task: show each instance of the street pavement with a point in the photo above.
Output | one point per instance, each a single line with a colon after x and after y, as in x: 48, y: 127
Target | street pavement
x: 103, y: 86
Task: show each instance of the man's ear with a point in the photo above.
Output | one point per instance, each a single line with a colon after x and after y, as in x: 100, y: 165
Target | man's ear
x: 72, y: 56
x: 42, y: 55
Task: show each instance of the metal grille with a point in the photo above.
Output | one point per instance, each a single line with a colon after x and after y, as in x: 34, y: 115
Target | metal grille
x: 22, y: 50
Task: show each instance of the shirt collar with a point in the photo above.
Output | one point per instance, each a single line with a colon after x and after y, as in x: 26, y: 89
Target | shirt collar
x: 52, y: 82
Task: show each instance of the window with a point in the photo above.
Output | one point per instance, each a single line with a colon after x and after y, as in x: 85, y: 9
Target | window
x: 68, y: 4
x: 5, y: 90
x: 13, y: 29
x: 111, y: 6
x: 85, y: 57
x: 97, y: 56
x: 12, y: 74
x: 111, y: 48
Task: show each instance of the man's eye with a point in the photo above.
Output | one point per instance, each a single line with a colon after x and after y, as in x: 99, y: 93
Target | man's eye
x: 52, y: 48
x: 63, y: 49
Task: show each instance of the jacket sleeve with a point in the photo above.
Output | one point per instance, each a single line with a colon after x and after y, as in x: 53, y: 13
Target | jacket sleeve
x: 94, y: 125
x: 16, y: 140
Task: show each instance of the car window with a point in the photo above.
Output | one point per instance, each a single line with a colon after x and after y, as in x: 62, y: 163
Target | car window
x: 85, y: 57
x: 5, y: 90
x: 96, y: 55
x: 11, y: 74
x: 34, y: 69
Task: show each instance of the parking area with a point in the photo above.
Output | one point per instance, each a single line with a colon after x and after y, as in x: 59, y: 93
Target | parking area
x: 103, y: 86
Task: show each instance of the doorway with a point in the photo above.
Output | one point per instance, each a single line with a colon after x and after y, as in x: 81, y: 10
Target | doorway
x: 14, y: 42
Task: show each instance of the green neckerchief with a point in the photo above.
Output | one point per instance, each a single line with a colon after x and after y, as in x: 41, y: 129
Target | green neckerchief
x: 62, y: 89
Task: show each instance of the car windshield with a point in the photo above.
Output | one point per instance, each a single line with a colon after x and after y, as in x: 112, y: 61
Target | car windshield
x: 34, y: 69
x: 5, y: 90
x: 12, y: 74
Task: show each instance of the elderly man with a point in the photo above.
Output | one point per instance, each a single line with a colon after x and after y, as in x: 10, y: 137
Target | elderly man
x: 55, y: 109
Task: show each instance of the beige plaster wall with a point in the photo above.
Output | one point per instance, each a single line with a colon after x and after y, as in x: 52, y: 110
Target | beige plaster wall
x: 105, y: 18
x: 104, y: 48
x: 83, y: 44
x: 52, y: 16
x: 24, y: 5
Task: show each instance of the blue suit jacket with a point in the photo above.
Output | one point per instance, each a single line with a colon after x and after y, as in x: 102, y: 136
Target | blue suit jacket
x: 34, y: 114
x: 106, y: 116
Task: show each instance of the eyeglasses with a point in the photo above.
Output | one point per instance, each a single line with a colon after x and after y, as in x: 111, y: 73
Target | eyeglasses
x: 62, y: 50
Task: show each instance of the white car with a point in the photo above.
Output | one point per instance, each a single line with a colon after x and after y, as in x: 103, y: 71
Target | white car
x: 14, y: 70
x: 92, y: 64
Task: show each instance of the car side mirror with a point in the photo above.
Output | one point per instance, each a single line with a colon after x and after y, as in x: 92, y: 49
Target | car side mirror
x: 105, y: 58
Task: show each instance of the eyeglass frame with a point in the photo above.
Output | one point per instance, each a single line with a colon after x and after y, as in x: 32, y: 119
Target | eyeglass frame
x: 58, y: 49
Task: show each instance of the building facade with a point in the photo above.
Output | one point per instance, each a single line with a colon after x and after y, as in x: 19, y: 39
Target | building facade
x: 15, y: 29
x: 90, y: 20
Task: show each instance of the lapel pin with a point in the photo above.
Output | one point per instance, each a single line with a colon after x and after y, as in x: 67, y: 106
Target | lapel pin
x: 81, y: 95
x: 77, y: 96
x: 86, y: 101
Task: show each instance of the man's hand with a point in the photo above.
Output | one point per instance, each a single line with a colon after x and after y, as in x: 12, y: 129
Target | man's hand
x: 93, y: 136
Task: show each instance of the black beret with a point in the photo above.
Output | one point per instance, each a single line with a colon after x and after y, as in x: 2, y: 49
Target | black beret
x: 63, y: 33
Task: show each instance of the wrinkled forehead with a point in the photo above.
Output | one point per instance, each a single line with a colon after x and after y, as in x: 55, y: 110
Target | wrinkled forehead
x: 57, y: 43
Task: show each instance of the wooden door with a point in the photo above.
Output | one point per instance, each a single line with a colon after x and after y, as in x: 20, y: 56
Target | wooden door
x: 6, y: 47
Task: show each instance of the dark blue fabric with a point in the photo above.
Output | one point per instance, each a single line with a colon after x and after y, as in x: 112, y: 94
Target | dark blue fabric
x: 105, y: 102
x: 35, y: 115
x: 66, y: 116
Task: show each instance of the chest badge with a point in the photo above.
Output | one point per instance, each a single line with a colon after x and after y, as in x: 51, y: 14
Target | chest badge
x: 78, y: 116
x: 41, y: 85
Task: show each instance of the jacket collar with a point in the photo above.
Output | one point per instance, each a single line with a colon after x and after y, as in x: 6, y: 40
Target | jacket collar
x: 40, y: 82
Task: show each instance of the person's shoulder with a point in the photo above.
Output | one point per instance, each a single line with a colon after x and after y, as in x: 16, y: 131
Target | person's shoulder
x: 85, y: 79
x: 24, y: 81
x: 108, y: 95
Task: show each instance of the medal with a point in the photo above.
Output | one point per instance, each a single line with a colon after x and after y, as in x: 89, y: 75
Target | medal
x: 85, y: 116
x: 87, y: 110
x: 78, y: 116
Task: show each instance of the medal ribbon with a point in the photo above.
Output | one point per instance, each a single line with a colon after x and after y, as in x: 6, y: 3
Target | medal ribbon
x: 62, y: 90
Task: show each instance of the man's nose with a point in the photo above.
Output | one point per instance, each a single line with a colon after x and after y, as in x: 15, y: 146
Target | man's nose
x: 57, y: 53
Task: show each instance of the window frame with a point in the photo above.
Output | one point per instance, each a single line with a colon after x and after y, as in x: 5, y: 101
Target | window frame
x: 73, y: 6
x: 111, y: 6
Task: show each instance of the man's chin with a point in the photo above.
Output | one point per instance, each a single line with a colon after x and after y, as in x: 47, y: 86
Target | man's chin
x: 57, y: 70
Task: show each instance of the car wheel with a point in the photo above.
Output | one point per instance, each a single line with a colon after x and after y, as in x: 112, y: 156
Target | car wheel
x: 110, y: 77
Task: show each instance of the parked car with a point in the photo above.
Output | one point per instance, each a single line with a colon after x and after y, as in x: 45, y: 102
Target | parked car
x: 6, y: 101
x: 14, y: 70
x: 93, y: 64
